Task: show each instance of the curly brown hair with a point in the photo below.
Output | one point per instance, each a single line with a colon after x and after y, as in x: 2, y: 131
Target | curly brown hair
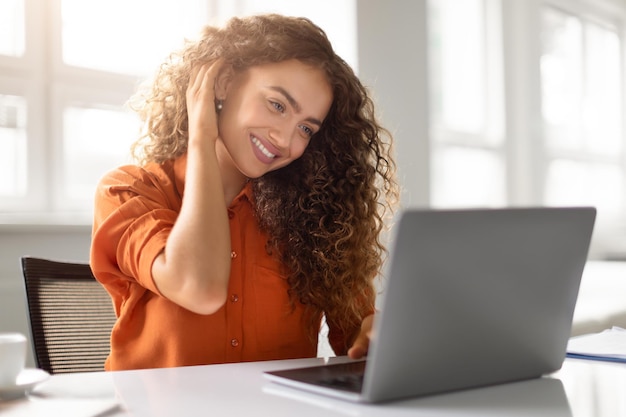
x: 326, y: 211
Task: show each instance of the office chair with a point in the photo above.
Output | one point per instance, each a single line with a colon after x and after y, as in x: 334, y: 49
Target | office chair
x: 70, y: 316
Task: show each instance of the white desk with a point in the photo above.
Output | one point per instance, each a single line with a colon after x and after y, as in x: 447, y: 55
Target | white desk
x: 580, y: 388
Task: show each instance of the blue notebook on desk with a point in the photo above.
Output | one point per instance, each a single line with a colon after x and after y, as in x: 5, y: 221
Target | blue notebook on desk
x: 609, y: 345
x: 473, y: 298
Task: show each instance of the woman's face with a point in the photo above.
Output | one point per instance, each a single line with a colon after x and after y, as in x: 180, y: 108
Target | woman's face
x: 269, y: 114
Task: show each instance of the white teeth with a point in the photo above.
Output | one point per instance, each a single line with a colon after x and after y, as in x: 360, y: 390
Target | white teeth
x: 262, y: 148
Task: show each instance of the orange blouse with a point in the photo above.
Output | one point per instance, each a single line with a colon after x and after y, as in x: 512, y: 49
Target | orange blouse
x: 135, y: 210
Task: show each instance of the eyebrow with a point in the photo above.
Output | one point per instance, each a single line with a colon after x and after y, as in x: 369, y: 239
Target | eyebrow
x: 292, y: 101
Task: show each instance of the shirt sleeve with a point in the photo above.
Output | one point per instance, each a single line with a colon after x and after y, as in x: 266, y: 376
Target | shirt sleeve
x: 134, y: 212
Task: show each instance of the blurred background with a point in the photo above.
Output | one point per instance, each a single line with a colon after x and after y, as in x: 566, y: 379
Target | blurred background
x: 493, y: 102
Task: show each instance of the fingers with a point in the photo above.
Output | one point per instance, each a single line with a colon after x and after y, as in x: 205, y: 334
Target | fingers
x: 361, y: 343
x: 202, y: 81
x: 195, y: 81
x: 200, y: 96
x: 358, y: 349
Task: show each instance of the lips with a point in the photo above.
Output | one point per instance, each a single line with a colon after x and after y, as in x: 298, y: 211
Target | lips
x: 263, y: 150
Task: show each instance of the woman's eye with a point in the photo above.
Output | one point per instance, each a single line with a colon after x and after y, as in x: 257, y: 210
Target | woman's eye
x: 307, y: 130
x: 278, y: 106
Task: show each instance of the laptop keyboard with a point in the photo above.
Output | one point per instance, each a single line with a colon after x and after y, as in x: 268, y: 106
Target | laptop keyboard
x: 353, y: 383
x: 346, y: 376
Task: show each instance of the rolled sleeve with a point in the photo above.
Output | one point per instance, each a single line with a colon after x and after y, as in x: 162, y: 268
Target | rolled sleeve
x: 134, y: 215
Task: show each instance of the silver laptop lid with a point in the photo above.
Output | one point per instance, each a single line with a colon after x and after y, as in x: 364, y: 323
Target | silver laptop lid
x: 477, y: 297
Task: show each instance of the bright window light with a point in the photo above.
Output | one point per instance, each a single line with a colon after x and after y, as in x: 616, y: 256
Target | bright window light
x: 461, y: 56
x: 12, y: 27
x: 13, y: 176
x: 90, y: 152
x: 468, y: 177
x: 582, y: 112
x: 127, y: 36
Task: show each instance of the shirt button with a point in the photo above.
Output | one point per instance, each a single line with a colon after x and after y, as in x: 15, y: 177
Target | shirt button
x: 234, y: 298
x: 233, y: 255
x: 234, y: 342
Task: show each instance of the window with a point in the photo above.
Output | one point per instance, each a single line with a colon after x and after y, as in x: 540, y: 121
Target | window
x: 67, y: 68
x: 526, y: 107
x: 12, y: 32
x: 63, y: 88
x: 468, y: 161
x: 581, y: 97
x: 13, y: 137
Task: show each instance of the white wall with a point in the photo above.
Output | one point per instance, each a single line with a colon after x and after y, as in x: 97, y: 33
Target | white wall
x: 392, y: 62
x: 61, y: 242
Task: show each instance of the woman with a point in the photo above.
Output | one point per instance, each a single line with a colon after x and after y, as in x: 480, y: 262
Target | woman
x: 256, y: 207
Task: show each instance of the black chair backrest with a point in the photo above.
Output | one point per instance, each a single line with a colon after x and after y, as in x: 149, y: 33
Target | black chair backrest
x: 70, y: 315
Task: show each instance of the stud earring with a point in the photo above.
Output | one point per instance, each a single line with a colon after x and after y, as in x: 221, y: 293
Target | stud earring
x: 219, y: 105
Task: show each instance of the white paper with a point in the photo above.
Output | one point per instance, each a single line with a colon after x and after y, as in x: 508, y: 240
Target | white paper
x: 610, y: 343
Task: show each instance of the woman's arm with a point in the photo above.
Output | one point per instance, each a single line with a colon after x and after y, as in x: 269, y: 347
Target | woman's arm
x: 194, y: 267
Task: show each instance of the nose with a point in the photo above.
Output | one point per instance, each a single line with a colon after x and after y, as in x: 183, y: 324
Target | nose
x: 282, y: 135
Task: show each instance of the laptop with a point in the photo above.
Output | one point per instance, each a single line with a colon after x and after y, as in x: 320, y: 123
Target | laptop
x: 474, y: 297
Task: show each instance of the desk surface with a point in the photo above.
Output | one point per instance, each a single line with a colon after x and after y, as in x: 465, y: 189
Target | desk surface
x: 580, y: 388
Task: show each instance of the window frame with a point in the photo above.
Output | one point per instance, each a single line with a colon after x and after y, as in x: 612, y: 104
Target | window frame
x: 35, y: 143
x: 491, y: 137
x: 48, y: 85
x: 524, y: 150
x: 529, y: 155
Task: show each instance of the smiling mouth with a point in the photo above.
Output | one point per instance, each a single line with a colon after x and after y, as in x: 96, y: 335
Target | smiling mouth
x: 262, y: 148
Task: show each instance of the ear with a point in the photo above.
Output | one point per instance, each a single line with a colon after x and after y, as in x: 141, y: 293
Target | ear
x: 223, y: 82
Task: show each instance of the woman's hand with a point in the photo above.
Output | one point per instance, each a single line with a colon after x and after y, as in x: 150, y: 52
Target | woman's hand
x: 201, y: 102
x: 361, y: 343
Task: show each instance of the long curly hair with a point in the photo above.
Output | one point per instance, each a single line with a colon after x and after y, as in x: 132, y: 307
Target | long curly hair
x: 325, y: 212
